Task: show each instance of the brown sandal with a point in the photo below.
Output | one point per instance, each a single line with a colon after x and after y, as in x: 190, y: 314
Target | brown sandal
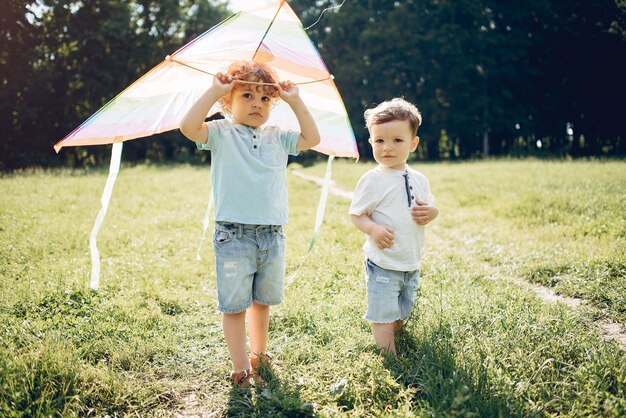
x: 258, y: 363
x: 242, y: 379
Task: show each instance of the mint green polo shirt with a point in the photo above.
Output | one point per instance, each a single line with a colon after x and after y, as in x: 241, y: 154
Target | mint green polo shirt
x: 249, y: 171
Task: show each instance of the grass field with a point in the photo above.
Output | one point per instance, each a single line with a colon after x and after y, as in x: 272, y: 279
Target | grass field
x: 149, y: 343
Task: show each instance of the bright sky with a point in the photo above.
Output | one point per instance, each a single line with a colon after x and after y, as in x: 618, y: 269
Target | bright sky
x: 237, y: 5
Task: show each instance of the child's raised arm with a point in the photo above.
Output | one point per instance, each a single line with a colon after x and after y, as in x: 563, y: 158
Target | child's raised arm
x: 309, y: 135
x: 192, y: 125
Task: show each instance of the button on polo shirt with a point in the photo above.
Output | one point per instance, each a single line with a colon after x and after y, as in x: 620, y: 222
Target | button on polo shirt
x: 248, y: 171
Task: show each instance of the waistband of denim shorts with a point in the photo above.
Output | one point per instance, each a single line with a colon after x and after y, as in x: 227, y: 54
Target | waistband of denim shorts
x: 250, y: 228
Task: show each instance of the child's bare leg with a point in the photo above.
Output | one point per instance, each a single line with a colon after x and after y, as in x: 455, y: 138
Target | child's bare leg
x: 397, y: 326
x: 384, y: 335
x: 258, y: 327
x: 235, y: 335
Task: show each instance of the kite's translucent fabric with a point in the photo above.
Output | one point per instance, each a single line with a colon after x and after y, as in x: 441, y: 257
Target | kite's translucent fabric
x: 270, y: 33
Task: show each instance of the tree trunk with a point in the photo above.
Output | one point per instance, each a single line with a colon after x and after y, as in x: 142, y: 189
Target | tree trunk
x: 486, y: 143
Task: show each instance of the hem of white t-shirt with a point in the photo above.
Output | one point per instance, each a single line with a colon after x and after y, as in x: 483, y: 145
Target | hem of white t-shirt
x: 382, y: 264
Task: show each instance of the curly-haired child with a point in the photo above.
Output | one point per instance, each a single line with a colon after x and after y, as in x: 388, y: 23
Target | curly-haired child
x: 248, y: 162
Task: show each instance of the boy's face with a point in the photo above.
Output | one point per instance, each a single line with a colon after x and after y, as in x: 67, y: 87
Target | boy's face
x: 392, y: 142
x: 250, y: 107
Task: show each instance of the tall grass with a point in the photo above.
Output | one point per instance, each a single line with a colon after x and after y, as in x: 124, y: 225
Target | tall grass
x: 150, y: 341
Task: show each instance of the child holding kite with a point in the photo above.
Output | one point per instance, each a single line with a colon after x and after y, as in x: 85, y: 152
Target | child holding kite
x: 248, y: 162
x: 391, y: 204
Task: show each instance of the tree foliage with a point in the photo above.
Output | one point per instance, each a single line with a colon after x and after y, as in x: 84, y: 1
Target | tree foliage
x: 490, y: 76
x: 61, y: 60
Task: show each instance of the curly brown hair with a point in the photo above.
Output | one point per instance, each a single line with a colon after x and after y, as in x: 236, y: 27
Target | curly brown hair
x: 251, y: 71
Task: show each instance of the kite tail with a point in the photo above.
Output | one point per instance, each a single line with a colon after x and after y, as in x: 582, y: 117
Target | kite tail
x: 205, y: 224
x: 114, y: 168
x: 319, y: 217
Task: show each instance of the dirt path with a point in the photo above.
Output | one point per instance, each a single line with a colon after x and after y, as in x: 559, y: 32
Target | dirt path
x: 608, y: 329
x: 332, y: 189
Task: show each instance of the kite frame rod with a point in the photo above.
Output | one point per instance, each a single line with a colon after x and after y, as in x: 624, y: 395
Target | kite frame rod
x: 256, y: 83
x: 268, y: 29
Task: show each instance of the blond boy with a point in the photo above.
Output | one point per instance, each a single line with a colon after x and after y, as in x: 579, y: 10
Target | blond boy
x: 391, y: 204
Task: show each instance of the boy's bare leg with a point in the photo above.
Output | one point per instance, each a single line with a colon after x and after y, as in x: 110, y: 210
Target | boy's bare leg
x: 235, y: 335
x: 384, y: 335
x: 397, y: 326
x: 258, y: 327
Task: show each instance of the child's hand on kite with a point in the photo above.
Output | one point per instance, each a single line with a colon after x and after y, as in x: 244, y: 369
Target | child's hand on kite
x: 382, y: 236
x: 423, y: 213
x: 288, y: 91
x: 223, y: 83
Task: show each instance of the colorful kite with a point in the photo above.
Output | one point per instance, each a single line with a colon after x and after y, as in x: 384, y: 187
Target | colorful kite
x: 269, y: 32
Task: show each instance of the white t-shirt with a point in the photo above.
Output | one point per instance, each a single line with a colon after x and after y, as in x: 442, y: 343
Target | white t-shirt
x: 381, y: 194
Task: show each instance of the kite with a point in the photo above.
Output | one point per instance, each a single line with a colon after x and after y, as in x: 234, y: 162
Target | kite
x: 268, y: 32
x: 271, y: 33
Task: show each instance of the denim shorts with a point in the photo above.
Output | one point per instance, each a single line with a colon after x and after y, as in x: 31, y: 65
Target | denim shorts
x: 250, y: 264
x: 390, y: 294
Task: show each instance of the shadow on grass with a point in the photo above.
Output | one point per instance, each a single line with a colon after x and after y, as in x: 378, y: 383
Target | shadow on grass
x: 274, y: 398
x: 429, y: 367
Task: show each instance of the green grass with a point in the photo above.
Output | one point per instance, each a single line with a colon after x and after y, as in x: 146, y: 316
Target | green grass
x: 150, y: 340
x: 557, y: 224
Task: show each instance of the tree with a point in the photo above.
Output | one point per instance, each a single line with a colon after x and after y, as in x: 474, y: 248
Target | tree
x: 18, y: 40
x: 490, y: 76
x: 79, y: 55
x: 481, y: 69
x: 582, y: 53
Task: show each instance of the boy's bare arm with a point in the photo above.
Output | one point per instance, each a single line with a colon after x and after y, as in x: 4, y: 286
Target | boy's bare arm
x: 192, y: 125
x: 309, y: 134
x: 380, y: 234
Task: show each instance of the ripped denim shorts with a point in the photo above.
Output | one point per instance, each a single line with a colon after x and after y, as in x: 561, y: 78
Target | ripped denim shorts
x: 250, y: 265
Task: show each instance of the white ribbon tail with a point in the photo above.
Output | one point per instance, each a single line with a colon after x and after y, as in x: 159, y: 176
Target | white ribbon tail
x: 205, y: 224
x: 319, y: 217
x: 114, y: 168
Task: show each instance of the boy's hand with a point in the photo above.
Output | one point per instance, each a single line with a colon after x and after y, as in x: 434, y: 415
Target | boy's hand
x: 382, y: 236
x: 423, y: 213
x: 288, y: 91
x: 223, y: 83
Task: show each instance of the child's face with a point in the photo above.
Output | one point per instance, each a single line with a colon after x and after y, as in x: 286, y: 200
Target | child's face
x: 392, y: 142
x: 250, y: 107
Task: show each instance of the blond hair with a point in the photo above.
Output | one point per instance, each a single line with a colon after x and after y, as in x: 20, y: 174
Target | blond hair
x: 249, y: 70
x: 394, y: 109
